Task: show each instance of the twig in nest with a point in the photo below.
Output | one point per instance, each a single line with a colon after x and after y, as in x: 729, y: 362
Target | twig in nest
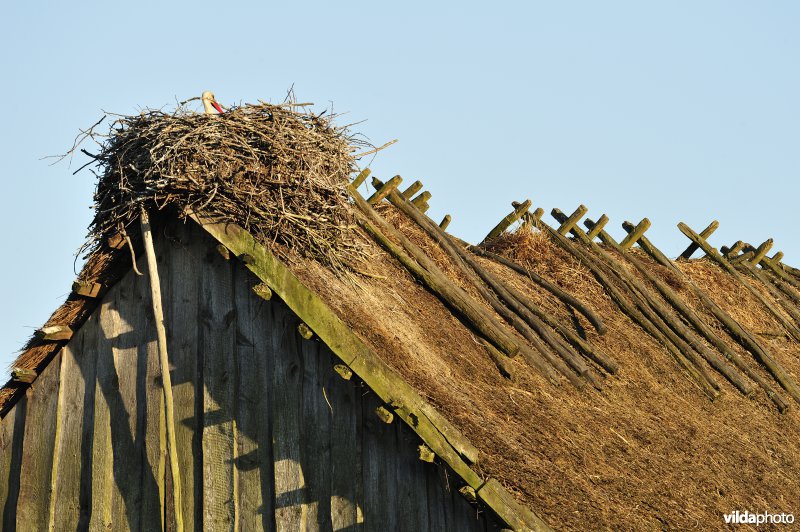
x: 375, y: 150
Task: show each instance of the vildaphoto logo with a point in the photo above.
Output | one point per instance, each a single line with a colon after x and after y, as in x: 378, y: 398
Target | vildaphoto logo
x: 764, y: 518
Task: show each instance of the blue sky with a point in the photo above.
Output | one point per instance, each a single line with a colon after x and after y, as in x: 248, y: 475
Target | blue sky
x: 678, y: 111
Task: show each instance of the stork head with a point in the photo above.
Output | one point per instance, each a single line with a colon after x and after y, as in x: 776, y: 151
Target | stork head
x: 210, y: 105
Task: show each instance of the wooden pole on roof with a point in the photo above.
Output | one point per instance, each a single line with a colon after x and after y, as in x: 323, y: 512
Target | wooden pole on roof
x: 158, y: 314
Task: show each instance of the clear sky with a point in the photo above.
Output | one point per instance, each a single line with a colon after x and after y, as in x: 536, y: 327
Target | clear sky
x: 678, y: 111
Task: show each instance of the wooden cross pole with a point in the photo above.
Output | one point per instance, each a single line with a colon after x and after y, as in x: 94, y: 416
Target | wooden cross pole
x: 415, y: 187
x: 573, y: 219
x: 506, y: 222
x: 705, y: 233
x: 361, y: 177
x: 761, y: 252
x: 637, y: 233
x: 383, y: 189
x: 597, y: 227
x: 158, y: 315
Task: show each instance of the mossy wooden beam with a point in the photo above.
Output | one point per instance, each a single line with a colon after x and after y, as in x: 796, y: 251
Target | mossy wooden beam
x: 25, y: 375
x: 705, y: 233
x: 54, y: 333
x: 383, y: 189
x: 773, y: 265
x: 517, y: 516
x: 734, y: 328
x: 509, y: 219
x: 445, y: 222
x: 734, y: 250
x: 719, y: 259
x: 415, y: 187
x: 444, y: 439
x: 572, y: 220
x: 361, y: 177
x: 597, y: 227
x: 635, y: 235
x: 761, y: 252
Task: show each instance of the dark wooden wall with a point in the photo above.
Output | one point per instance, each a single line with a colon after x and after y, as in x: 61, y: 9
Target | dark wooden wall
x: 269, y: 435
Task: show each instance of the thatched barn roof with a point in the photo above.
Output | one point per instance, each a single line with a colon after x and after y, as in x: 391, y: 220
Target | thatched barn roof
x: 592, y: 382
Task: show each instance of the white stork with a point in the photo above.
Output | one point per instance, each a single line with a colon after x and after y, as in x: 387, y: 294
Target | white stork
x: 210, y: 104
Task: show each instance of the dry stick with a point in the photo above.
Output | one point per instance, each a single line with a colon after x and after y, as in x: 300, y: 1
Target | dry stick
x: 775, y: 267
x: 500, y: 360
x: 635, y: 312
x: 661, y: 317
x: 158, y: 314
x: 421, y: 266
x: 565, y: 297
x: 783, y: 299
x: 512, y: 311
x: 719, y: 259
x: 737, y: 331
x: 674, y: 299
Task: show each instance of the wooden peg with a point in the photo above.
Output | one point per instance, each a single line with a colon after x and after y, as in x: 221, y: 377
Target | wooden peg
x: 596, y: 227
x: 425, y: 453
x: 54, y: 333
x: 705, y: 233
x: 343, y: 371
x: 776, y: 258
x: 23, y: 375
x: 383, y: 189
x: 263, y: 291
x: 445, y: 222
x: 246, y: 258
x: 415, y: 187
x: 570, y: 223
x: 635, y: 235
x: 510, y: 218
x: 361, y: 177
x: 743, y: 257
x: 116, y: 241
x: 224, y: 252
x: 468, y: 493
x: 305, y: 331
x: 384, y: 414
x: 424, y: 207
x: 86, y: 288
x: 732, y: 251
x: 421, y: 199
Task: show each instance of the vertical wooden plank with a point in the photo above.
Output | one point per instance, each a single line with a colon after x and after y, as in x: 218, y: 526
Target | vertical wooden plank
x: 346, y: 474
x: 77, y: 370
x: 180, y: 284
x: 151, y: 438
x: 253, y: 355
x: 379, y: 465
x: 218, y: 338
x: 87, y: 362
x: 412, y: 509
x: 33, y: 506
x: 291, y: 497
x: 316, y: 434
x: 102, y: 477
x: 438, y: 499
x: 10, y: 458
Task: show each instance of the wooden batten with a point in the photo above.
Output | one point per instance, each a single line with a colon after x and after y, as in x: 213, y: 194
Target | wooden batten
x: 705, y: 233
x: 635, y: 235
x: 361, y: 177
x: 23, y: 375
x: 383, y: 189
x: 572, y: 220
x: 445, y: 222
x: 86, y: 288
x: 415, y: 187
x: 54, y: 333
x: 596, y: 227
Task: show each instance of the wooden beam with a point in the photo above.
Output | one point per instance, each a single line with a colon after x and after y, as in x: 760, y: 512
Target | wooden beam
x: 572, y: 220
x: 86, y: 288
x: 705, y: 233
x: 445, y: 222
x: 53, y: 333
x: 415, y: 187
x: 596, y: 227
x: 361, y: 177
x: 761, y: 252
x: 509, y: 219
x: 635, y: 235
x: 383, y: 190
x: 733, y: 250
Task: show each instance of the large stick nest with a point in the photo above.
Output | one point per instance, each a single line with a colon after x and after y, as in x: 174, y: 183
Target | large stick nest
x: 278, y: 172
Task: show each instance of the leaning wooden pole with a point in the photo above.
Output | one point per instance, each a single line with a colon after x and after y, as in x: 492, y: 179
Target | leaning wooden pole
x: 158, y: 315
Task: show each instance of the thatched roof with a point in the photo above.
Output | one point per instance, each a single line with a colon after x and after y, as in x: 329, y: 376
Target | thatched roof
x: 621, y: 432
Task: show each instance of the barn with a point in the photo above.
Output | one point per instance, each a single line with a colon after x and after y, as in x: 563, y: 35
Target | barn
x: 539, y: 379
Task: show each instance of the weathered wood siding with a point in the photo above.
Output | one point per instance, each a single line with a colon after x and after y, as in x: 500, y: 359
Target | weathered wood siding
x: 269, y: 435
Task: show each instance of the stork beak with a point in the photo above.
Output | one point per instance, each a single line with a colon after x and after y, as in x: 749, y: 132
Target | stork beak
x: 217, y: 106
